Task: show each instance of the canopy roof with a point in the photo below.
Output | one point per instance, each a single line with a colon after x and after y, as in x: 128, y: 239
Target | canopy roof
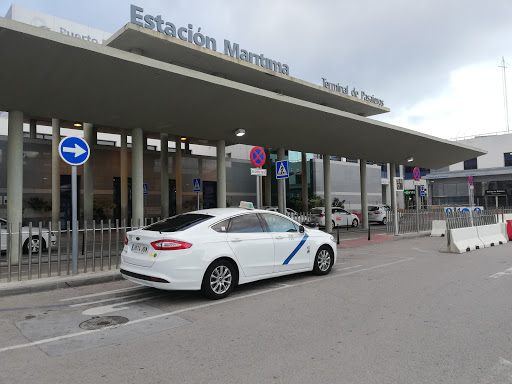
x: 49, y: 75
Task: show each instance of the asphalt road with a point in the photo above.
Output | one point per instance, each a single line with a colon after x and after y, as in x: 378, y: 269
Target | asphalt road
x: 396, y: 312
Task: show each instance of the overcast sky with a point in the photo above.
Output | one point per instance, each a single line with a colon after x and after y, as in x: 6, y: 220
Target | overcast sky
x: 433, y: 62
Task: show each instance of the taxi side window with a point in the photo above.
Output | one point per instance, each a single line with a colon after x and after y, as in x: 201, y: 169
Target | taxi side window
x: 221, y: 227
x: 245, y: 224
x: 279, y: 224
x: 3, y: 225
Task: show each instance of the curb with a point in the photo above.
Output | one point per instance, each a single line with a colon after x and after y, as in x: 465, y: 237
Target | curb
x: 53, y: 283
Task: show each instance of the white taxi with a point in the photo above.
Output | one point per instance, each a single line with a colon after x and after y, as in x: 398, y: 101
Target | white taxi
x: 213, y: 250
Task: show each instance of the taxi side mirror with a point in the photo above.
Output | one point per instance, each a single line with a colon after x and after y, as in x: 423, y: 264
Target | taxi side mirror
x: 301, y: 229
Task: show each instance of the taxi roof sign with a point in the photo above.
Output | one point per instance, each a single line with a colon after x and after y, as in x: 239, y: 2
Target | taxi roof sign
x: 246, y: 204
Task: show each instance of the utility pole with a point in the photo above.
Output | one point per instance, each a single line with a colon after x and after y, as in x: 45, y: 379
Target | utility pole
x: 505, y: 99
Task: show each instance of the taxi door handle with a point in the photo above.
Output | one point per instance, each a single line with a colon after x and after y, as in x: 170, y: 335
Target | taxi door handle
x: 280, y: 237
x: 236, y: 240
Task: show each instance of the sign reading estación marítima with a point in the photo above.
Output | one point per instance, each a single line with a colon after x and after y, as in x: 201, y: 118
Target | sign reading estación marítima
x: 187, y: 33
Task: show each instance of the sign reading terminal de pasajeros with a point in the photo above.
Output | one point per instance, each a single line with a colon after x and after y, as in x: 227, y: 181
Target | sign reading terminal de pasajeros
x: 344, y: 90
x: 187, y: 34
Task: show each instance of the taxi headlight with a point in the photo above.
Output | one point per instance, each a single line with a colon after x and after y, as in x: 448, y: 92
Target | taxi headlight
x: 332, y: 238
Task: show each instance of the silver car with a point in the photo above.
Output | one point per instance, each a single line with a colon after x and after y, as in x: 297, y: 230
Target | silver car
x: 378, y: 213
x: 340, y: 217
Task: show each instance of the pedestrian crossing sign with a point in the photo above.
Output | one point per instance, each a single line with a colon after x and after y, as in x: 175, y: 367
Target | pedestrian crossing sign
x: 282, y: 169
x: 197, y: 185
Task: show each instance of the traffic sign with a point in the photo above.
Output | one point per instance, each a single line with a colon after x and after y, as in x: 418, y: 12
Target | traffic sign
x: 145, y: 188
x: 258, y: 156
x: 422, y: 193
x: 416, y: 173
x: 74, y: 150
x: 258, y: 172
x: 470, y: 180
x: 197, y: 185
x: 282, y: 169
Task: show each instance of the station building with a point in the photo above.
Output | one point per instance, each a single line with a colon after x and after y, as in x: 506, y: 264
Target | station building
x: 492, y: 175
x: 160, y: 104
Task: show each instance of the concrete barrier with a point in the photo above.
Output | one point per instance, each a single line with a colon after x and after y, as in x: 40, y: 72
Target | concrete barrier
x: 463, y: 240
x: 491, y: 235
x: 438, y: 228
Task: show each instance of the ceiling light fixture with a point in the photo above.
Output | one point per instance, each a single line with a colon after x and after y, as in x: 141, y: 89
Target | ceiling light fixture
x: 183, y: 138
x: 240, y: 132
x: 77, y: 124
x: 409, y: 159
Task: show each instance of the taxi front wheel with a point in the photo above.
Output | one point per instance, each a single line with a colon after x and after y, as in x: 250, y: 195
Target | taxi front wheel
x: 323, y: 260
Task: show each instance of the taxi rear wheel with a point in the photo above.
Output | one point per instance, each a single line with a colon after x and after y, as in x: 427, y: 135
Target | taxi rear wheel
x: 324, y: 260
x: 219, y: 280
x: 355, y: 223
x: 33, y: 244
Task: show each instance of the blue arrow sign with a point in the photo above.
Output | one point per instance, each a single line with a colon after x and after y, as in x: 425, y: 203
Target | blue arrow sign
x: 74, y: 150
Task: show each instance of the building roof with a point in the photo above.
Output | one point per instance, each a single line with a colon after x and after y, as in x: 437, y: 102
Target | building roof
x: 49, y: 75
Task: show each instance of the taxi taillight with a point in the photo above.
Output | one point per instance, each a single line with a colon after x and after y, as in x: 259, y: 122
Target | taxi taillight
x: 169, y: 245
x: 126, y: 240
x: 322, y: 215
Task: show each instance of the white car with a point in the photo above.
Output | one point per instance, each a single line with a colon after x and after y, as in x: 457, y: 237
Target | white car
x: 340, y: 217
x: 289, y: 212
x: 378, y: 213
x: 213, y: 250
x: 25, y: 234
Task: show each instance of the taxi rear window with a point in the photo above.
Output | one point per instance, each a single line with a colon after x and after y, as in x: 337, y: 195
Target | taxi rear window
x: 317, y: 211
x: 178, y: 223
x: 373, y: 208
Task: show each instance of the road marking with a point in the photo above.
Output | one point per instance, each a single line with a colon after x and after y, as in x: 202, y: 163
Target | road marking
x: 354, y: 266
x: 111, y: 299
x: 424, y: 251
x: 105, y: 293
x: 96, y: 311
x: 499, y: 274
x: 196, y: 307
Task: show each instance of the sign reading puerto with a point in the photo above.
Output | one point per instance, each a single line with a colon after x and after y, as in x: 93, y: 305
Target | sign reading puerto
x: 416, y: 173
x: 257, y: 156
x: 74, y: 150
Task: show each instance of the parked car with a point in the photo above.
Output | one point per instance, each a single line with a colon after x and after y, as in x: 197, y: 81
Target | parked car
x: 378, y: 213
x: 339, y: 217
x: 25, y: 241
x: 213, y: 250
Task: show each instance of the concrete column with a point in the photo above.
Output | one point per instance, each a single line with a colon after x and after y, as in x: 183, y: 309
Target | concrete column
x: 364, y: 193
x: 268, y: 179
x: 15, y: 178
x: 33, y: 129
x: 55, y: 173
x: 179, y: 180
x: 164, y: 175
x: 327, y: 193
x: 221, y: 174
x: 187, y: 147
x: 124, y: 178
x: 388, y: 187
x: 91, y: 138
x: 281, y: 183
x: 137, y: 177
x: 393, y: 197
x: 304, y: 182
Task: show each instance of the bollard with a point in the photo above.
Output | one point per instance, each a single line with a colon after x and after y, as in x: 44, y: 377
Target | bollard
x: 369, y: 232
x: 338, y: 229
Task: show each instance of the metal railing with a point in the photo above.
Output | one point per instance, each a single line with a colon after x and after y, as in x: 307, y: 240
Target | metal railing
x: 409, y: 221
x: 30, y: 252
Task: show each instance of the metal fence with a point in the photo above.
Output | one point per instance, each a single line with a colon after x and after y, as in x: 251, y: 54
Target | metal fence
x: 411, y: 221
x: 30, y: 252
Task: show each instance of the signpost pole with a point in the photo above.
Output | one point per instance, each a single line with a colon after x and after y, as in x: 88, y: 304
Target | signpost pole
x: 198, y: 201
x: 74, y: 215
x: 417, y: 208
x: 258, y: 181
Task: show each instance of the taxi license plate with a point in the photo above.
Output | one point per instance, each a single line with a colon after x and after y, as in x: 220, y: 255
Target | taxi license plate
x: 139, y: 248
